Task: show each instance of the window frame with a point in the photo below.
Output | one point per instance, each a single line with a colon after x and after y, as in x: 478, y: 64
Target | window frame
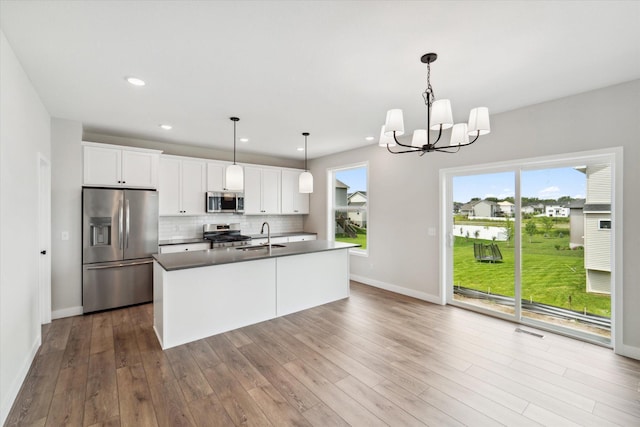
x: 331, y: 208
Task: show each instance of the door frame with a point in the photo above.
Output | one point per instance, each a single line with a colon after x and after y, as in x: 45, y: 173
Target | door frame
x: 613, y: 155
x: 44, y: 237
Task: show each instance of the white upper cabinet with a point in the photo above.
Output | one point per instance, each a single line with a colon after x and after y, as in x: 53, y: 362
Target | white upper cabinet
x: 261, y: 190
x: 293, y: 201
x: 114, y: 166
x: 182, y: 186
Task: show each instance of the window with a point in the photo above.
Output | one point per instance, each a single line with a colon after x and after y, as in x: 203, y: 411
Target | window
x: 604, y: 224
x: 548, y: 265
x: 348, y: 205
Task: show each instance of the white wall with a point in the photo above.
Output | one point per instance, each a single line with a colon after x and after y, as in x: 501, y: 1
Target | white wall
x: 403, y: 257
x: 24, y: 132
x: 66, y: 215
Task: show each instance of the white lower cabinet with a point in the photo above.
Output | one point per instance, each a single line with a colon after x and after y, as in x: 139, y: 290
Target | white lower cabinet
x: 187, y: 247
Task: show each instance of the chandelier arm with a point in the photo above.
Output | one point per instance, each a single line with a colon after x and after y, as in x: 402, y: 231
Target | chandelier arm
x: 437, y: 139
x: 415, y: 150
x: 400, y: 143
x: 469, y: 143
x: 446, y: 149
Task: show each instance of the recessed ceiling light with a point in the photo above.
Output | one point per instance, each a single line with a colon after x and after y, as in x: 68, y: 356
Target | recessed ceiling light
x: 166, y: 127
x: 136, y: 81
x: 300, y: 149
x: 370, y: 138
x: 244, y: 139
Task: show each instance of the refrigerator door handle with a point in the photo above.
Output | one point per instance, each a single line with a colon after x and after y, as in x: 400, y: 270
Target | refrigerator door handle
x: 102, y: 267
x: 120, y: 225
x: 128, y: 222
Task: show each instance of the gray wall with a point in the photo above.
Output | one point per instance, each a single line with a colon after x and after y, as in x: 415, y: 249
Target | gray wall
x: 403, y: 257
x: 24, y: 133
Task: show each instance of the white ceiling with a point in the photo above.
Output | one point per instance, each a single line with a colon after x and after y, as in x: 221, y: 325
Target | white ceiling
x: 332, y: 68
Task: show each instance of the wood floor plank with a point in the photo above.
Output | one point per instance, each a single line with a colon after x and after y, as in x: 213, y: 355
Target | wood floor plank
x: 456, y: 409
x: 546, y: 402
x: 57, y: 336
x: 235, y: 361
x: 111, y: 422
x: 428, y: 414
x: 238, y: 338
x: 171, y: 408
x: 101, y: 398
x: 193, y: 383
x: 322, y: 416
x: 377, y: 404
x: 101, y: 333
x: 134, y: 396
x: 278, y: 411
x: 268, y: 344
x: 295, y: 392
x: 203, y: 354
x: 79, y: 342
x: 157, y: 366
x: 344, y: 405
x: 125, y: 345
x: 239, y: 405
x: 209, y: 412
x: 34, y: 398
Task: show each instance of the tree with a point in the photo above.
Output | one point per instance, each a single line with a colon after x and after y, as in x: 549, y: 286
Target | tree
x: 547, y: 225
x: 508, y: 229
x: 530, y: 229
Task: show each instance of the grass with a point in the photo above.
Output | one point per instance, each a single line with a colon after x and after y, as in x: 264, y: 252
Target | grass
x: 549, y: 275
x: 360, y: 239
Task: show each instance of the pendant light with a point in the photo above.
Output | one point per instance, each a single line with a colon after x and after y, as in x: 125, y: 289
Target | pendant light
x: 234, y: 175
x: 305, y: 182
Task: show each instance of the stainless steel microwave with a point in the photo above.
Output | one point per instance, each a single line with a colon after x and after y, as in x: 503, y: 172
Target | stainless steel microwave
x: 224, y: 202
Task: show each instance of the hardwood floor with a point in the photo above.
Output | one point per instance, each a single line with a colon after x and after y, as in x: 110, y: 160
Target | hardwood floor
x: 377, y: 358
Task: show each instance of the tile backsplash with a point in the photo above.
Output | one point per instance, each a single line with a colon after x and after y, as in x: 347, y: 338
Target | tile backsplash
x: 187, y: 227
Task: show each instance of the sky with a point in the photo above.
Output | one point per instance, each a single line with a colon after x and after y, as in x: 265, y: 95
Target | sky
x: 542, y: 183
x: 356, y: 179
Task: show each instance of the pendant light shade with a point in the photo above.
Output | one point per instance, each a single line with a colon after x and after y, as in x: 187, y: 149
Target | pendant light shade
x: 234, y: 176
x: 305, y: 181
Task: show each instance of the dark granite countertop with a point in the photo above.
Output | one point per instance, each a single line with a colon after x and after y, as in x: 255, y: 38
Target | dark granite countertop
x: 182, y: 260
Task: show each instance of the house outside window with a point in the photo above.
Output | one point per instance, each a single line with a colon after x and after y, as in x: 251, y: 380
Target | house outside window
x: 349, y: 209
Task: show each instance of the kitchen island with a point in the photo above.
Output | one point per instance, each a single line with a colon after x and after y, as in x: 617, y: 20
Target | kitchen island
x: 203, y: 293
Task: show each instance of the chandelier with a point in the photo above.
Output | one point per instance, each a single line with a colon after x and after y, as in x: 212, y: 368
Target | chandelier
x: 439, y: 118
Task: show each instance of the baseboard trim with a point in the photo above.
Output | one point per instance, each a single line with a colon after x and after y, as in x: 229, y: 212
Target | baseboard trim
x: 66, y: 312
x: 397, y: 289
x: 13, y: 391
x: 628, y: 351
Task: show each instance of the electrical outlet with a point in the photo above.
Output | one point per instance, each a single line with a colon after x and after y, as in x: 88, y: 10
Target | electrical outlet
x: 65, y: 235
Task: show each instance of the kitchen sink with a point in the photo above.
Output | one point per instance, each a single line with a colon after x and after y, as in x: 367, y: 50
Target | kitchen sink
x: 258, y: 247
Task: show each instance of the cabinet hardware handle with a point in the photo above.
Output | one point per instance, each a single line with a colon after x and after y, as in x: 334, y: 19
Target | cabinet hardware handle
x: 43, y: 252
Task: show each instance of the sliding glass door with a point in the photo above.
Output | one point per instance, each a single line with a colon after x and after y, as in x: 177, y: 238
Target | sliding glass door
x: 533, y: 243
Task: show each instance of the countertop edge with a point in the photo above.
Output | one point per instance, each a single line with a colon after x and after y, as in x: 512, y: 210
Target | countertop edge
x: 213, y: 257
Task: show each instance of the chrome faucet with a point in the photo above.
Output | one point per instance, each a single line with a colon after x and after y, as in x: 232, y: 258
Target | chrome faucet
x: 268, y: 233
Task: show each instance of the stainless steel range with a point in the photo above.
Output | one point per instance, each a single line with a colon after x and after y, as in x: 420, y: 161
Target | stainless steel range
x: 224, y: 235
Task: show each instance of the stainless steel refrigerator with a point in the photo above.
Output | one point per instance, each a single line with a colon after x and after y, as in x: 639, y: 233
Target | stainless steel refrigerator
x: 119, y: 235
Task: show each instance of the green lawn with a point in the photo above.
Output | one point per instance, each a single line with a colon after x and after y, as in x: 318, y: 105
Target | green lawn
x: 550, y: 276
x: 361, y: 240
